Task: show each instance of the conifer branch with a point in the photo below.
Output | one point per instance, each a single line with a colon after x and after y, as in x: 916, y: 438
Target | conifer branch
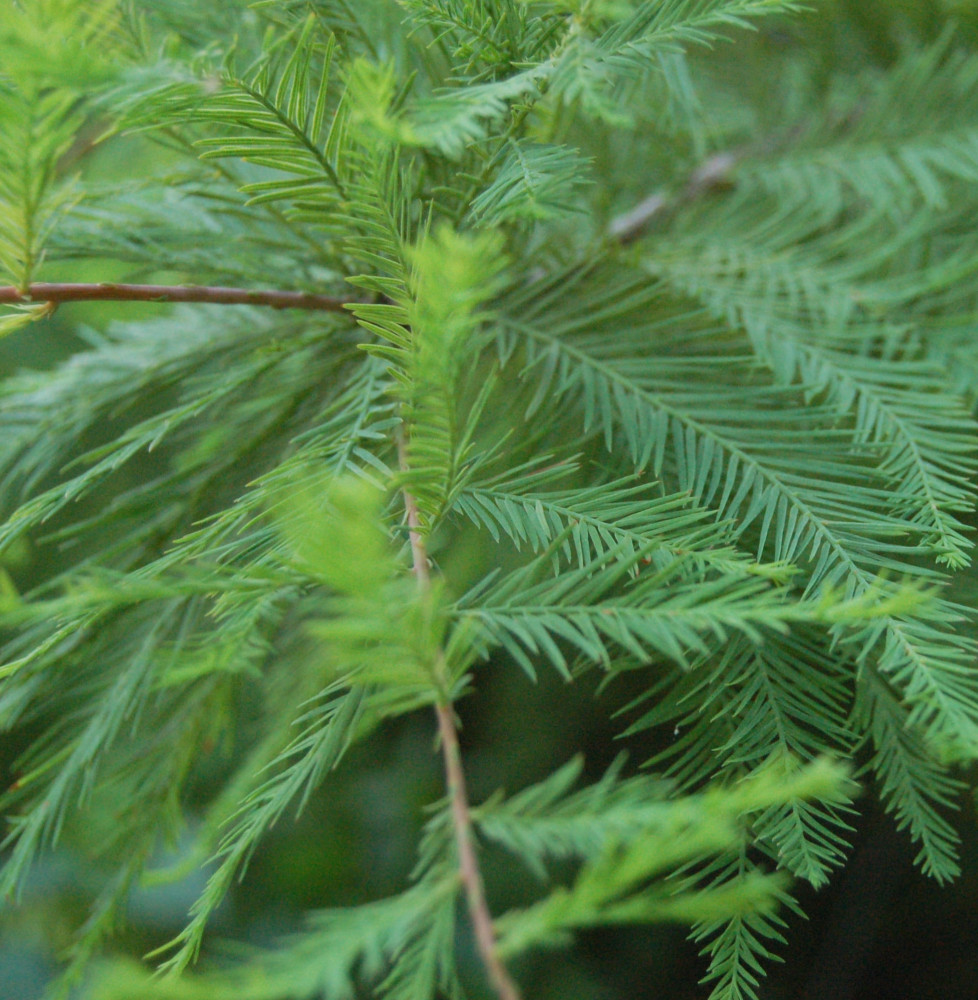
x: 58, y: 292
x: 763, y: 357
x: 469, y: 871
x: 624, y: 229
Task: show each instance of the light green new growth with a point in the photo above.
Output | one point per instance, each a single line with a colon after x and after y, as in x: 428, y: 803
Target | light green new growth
x: 721, y: 455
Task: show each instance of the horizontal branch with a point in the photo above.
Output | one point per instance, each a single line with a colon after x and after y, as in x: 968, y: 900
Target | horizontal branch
x: 56, y: 293
x: 713, y: 173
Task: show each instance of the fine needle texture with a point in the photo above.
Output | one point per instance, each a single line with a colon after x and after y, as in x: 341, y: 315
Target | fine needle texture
x: 532, y: 363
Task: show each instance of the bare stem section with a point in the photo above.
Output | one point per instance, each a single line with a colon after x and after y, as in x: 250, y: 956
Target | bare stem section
x: 468, y: 864
x: 56, y: 293
x: 485, y: 938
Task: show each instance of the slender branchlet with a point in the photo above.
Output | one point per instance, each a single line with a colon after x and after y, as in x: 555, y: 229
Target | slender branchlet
x: 712, y: 174
x: 468, y: 863
x: 623, y: 229
x: 58, y: 292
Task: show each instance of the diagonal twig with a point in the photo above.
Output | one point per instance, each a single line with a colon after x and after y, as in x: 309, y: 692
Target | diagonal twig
x: 713, y: 174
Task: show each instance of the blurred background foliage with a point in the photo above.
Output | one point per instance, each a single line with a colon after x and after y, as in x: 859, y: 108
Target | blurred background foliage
x: 879, y: 931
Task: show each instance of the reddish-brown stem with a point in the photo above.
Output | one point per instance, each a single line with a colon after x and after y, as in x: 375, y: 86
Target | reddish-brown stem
x: 468, y: 864
x: 713, y: 173
x: 57, y: 292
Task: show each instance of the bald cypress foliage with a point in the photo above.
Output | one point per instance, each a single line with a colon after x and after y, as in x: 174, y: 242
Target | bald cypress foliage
x: 628, y: 343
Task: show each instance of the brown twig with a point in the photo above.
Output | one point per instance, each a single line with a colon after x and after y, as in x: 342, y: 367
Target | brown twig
x: 713, y: 174
x: 485, y: 937
x: 468, y: 864
x: 57, y: 292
